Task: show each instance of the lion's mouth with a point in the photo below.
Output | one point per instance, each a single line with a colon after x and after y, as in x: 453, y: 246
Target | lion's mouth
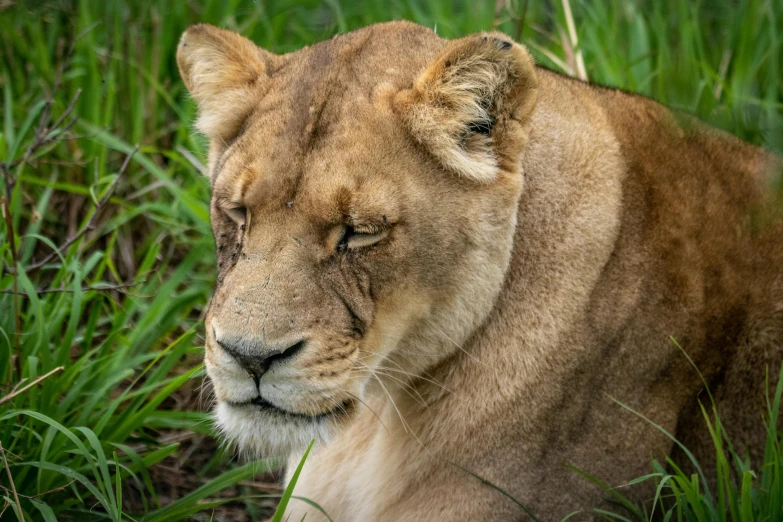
x: 259, y: 402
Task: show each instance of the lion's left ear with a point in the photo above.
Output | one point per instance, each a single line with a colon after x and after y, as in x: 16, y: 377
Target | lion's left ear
x: 471, y: 105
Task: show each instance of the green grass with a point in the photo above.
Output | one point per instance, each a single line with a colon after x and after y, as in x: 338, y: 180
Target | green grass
x: 739, y: 492
x: 106, y: 332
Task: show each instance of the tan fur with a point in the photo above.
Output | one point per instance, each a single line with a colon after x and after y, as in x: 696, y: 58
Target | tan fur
x: 525, y: 246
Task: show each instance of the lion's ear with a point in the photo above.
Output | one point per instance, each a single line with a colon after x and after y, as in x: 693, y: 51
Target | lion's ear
x: 471, y: 105
x: 223, y: 71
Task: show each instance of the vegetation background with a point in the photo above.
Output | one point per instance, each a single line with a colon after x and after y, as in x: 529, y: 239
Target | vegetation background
x: 106, y: 255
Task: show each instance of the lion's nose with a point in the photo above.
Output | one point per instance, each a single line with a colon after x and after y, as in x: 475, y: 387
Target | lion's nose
x: 258, y: 359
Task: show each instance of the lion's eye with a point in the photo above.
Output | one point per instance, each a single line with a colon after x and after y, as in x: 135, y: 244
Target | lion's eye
x: 238, y: 213
x: 352, y: 238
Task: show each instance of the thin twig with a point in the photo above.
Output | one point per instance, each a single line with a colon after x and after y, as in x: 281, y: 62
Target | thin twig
x: 68, y: 110
x: 98, y: 288
x: 72, y: 163
x: 39, y: 379
x: 5, y: 204
x: 33, y: 497
x: 11, y: 481
x: 45, y: 134
x: 60, y: 136
x: 171, y: 438
x: 265, y: 486
x: 91, y: 222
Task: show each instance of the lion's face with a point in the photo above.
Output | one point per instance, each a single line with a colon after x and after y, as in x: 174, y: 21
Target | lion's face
x: 363, y: 223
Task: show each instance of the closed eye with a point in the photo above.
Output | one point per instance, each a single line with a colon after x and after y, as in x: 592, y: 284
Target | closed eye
x: 236, y: 211
x: 238, y: 214
x: 352, y: 238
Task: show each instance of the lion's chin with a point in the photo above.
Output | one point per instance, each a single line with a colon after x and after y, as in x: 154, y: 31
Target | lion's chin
x: 264, y: 433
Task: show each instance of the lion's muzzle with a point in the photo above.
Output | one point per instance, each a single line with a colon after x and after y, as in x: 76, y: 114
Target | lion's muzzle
x: 256, y: 358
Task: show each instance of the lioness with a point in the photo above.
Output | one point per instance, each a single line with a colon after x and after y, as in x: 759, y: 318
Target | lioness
x: 435, y: 257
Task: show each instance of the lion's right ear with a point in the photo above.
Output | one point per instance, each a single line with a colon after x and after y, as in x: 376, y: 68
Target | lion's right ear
x: 223, y: 71
x: 471, y: 105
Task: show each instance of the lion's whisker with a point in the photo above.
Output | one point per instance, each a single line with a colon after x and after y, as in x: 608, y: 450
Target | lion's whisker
x: 399, y: 369
x: 405, y: 386
x: 386, y: 391
x: 371, y: 410
x: 338, y: 404
x: 459, y: 347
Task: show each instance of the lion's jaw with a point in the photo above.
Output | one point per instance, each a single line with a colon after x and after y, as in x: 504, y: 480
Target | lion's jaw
x: 363, y: 223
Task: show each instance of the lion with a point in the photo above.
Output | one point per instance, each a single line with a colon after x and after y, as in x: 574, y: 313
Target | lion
x: 447, y: 266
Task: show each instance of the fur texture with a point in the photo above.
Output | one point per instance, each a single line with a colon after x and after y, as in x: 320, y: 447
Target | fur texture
x: 433, y: 253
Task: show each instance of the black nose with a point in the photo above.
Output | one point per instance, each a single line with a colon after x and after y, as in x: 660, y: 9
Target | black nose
x: 258, y: 360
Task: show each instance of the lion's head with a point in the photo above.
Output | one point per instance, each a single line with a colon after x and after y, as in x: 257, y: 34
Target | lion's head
x: 364, y: 204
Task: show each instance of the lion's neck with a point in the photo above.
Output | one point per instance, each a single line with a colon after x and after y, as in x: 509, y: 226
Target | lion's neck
x: 567, y: 226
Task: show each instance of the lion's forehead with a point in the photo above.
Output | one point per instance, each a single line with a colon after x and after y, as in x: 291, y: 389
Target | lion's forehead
x: 395, y: 52
x: 328, y: 149
x: 317, y: 126
x: 328, y: 86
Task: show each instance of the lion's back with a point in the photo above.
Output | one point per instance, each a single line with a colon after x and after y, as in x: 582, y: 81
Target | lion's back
x: 701, y: 204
